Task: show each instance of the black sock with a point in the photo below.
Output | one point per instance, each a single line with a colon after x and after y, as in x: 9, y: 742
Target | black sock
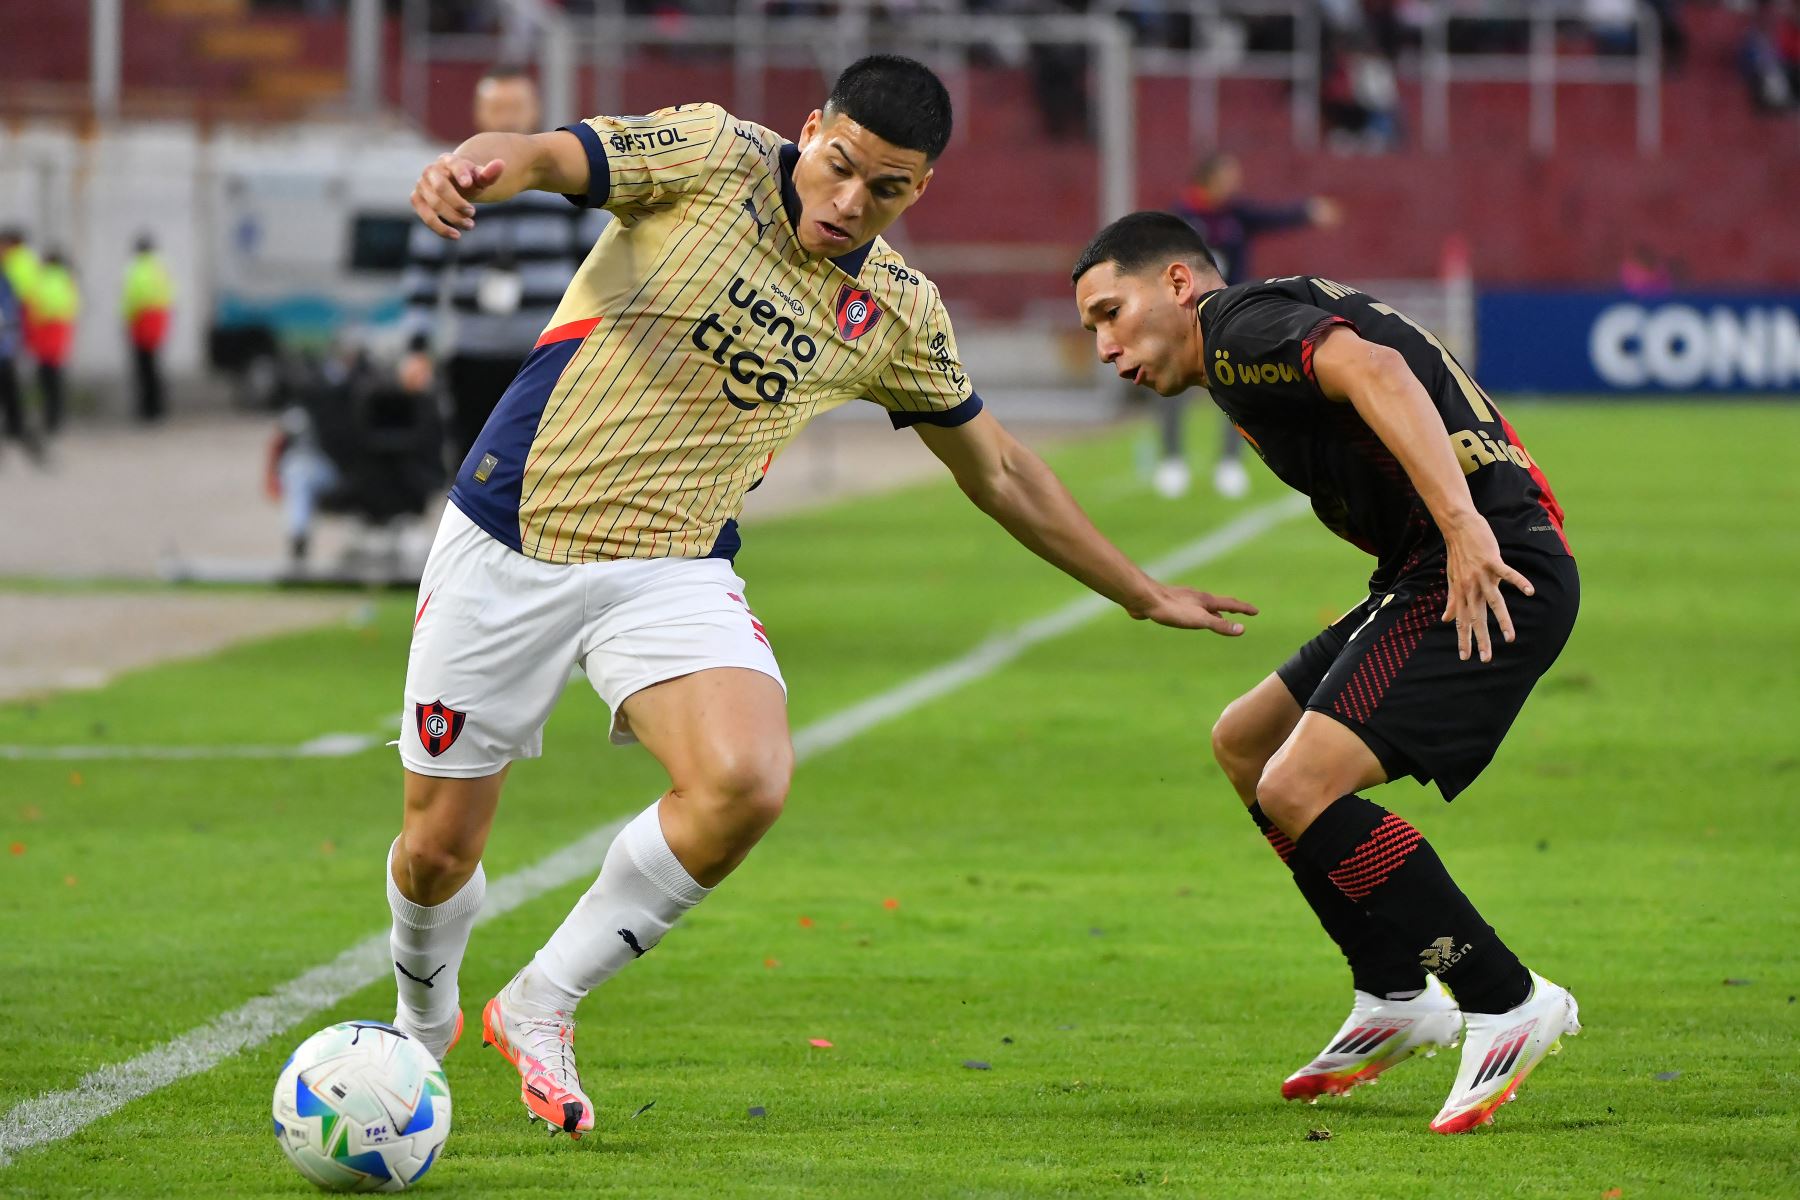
x: 1383, y: 864
x: 1379, y: 962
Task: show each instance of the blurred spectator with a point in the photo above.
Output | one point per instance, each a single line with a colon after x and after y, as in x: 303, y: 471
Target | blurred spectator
x: 487, y: 296
x: 1612, y: 24
x: 1059, y: 72
x: 1769, y: 57
x: 299, y: 474
x: 1645, y: 274
x: 1671, y: 31
x: 356, y: 440
x: 54, y: 305
x: 19, y: 263
x: 149, y: 297
x: 12, y: 411
x: 1359, y: 98
x: 1212, y: 205
x: 1388, y: 31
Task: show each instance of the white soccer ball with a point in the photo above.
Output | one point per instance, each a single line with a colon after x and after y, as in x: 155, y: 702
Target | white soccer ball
x: 361, y: 1107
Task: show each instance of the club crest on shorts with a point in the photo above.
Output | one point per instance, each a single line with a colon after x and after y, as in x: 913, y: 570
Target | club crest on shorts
x: 438, y: 726
x: 857, y: 312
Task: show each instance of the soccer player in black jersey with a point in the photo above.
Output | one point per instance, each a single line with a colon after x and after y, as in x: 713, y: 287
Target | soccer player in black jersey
x: 1403, y: 455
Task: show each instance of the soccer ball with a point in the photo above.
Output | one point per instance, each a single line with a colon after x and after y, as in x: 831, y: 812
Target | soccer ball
x: 361, y: 1107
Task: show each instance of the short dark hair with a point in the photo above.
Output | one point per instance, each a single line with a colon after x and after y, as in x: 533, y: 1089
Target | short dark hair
x: 895, y: 98
x: 1144, y: 239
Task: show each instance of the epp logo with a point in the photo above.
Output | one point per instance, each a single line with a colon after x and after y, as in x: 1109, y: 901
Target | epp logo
x: 856, y: 311
x: 438, y: 726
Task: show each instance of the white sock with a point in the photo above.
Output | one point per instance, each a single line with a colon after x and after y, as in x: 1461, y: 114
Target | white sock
x: 427, y: 946
x: 642, y: 890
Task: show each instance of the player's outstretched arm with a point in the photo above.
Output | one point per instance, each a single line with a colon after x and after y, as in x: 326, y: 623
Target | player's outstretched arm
x: 1016, y: 488
x: 496, y: 166
x: 1393, y: 403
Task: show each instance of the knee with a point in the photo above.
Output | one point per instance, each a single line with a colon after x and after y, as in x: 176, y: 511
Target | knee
x: 1289, y: 795
x: 749, y: 787
x: 1237, y: 749
x: 436, y: 864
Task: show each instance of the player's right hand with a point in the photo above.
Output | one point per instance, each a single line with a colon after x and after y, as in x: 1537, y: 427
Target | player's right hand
x: 1185, y: 608
x: 447, y: 189
x: 1476, y: 571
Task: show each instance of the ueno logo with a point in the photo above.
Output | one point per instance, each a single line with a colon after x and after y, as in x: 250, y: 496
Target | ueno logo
x: 765, y: 380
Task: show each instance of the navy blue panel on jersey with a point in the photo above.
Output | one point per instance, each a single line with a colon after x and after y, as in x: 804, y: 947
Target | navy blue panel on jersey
x: 948, y: 418
x: 599, y: 174
x: 492, y: 500
x: 728, y: 542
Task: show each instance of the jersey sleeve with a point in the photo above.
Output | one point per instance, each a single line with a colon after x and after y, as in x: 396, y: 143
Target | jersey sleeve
x: 640, y: 164
x: 1263, y: 348
x: 924, y: 382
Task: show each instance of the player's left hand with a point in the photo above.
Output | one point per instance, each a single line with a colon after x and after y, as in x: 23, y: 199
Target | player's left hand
x: 1185, y: 608
x: 1476, y: 571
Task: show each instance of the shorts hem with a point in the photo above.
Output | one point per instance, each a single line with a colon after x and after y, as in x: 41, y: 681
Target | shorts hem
x: 1299, y: 696
x: 441, y: 771
x: 1394, y: 761
x: 624, y: 737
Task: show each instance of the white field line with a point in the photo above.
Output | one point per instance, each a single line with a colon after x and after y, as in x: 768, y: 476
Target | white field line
x: 330, y: 745
x: 57, y: 1115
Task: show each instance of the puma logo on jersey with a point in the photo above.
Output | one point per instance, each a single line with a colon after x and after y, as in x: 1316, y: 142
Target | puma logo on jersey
x: 762, y: 226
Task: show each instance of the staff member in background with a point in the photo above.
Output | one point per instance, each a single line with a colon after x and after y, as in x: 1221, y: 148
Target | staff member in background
x: 12, y: 413
x: 53, y: 306
x: 487, y: 297
x: 1212, y: 205
x: 149, y: 295
x: 19, y: 263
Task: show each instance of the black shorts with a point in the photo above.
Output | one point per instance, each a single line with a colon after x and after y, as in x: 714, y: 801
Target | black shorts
x: 1388, y: 670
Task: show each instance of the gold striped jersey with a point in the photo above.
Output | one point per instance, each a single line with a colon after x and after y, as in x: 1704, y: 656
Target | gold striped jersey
x: 694, y: 342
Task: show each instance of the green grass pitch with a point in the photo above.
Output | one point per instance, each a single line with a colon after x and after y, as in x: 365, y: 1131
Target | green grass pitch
x: 1081, y: 904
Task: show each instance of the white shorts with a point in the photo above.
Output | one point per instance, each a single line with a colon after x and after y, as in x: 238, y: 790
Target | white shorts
x: 497, y: 634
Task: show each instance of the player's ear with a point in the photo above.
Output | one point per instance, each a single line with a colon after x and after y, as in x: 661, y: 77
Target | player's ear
x: 1180, y: 279
x: 918, y: 191
x: 810, y: 129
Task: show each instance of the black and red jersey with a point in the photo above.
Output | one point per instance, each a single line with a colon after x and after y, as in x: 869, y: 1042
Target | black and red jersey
x: 1258, y: 341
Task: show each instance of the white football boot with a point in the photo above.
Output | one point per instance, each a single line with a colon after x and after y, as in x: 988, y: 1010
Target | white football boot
x: 1171, y: 478
x: 1379, y: 1034
x: 1230, y: 479
x: 539, y: 1040
x: 1501, y: 1049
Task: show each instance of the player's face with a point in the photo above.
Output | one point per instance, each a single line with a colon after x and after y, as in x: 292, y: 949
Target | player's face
x: 852, y: 183
x: 506, y: 106
x: 1143, y: 324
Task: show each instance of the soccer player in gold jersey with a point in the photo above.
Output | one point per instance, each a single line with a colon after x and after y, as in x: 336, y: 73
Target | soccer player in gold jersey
x: 743, y: 288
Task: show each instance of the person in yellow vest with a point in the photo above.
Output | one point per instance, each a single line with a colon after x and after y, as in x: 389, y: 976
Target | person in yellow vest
x: 51, y: 309
x: 149, y: 295
x: 19, y: 263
